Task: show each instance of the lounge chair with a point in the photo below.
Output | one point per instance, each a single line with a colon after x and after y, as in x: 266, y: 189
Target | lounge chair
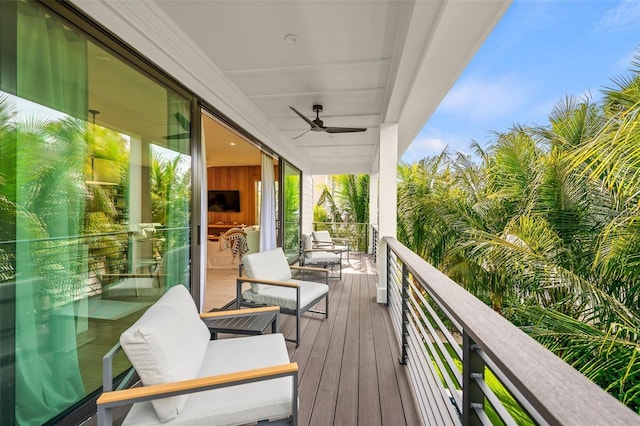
x: 323, y: 239
x: 189, y: 379
x: 323, y: 257
x: 173, y: 269
x: 270, y: 277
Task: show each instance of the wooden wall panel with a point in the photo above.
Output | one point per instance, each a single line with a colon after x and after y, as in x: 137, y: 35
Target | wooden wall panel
x: 242, y: 178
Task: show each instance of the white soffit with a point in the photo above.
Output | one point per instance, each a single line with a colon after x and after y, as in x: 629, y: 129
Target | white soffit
x: 366, y: 62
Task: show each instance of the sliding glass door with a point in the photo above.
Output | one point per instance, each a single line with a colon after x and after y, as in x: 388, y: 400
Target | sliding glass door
x: 291, y: 210
x: 95, y: 207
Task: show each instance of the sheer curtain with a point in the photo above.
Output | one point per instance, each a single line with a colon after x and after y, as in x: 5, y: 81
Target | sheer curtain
x: 177, y: 255
x: 205, y: 215
x: 50, y: 261
x: 268, y: 206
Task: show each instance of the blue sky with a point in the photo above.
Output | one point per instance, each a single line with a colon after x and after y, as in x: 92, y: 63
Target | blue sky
x: 538, y: 53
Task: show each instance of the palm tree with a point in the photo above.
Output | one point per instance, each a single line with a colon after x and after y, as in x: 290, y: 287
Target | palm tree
x: 349, y: 204
x: 545, y: 229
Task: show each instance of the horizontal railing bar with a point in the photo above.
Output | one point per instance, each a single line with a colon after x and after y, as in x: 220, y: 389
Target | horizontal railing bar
x: 426, y: 414
x: 494, y: 401
x: 426, y: 288
x: 435, y: 354
x: 556, y: 390
x: 431, y: 375
x: 445, y: 376
x: 431, y: 402
x: 74, y: 238
x: 452, y: 341
x: 524, y: 403
x: 482, y: 415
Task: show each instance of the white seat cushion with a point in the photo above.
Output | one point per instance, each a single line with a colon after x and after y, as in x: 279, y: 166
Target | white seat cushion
x: 307, y: 244
x: 285, y: 296
x: 167, y: 344
x: 241, y: 404
x: 322, y: 257
x: 268, y: 265
x: 133, y: 287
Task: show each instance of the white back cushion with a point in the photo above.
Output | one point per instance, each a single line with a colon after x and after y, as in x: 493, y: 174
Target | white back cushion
x: 322, y: 236
x: 269, y: 265
x: 306, y: 244
x: 167, y: 344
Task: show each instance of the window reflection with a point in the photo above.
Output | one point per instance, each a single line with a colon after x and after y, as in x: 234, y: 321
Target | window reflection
x: 95, y: 193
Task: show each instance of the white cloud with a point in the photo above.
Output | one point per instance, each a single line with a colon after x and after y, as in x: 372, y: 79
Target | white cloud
x: 625, y: 15
x: 483, y: 100
x: 423, y: 147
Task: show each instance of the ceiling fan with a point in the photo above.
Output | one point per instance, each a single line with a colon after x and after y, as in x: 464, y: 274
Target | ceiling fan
x: 186, y: 126
x: 317, y: 125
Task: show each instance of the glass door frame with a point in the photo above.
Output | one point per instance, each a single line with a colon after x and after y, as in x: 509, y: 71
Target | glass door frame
x: 283, y: 165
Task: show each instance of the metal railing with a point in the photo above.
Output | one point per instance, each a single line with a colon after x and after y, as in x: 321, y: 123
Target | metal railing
x: 468, y: 365
x: 357, y: 233
x: 71, y: 266
x: 374, y: 243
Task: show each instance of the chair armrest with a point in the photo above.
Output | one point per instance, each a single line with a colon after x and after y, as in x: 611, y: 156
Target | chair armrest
x: 310, y: 268
x: 323, y: 243
x: 340, y: 239
x: 101, y: 276
x: 145, y: 393
x: 345, y: 241
x: 238, y: 312
x: 323, y: 250
x: 240, y: 280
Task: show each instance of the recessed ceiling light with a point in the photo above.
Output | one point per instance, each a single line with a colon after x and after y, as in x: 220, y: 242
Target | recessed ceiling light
x: 232, y: 143
x: 291, y: 38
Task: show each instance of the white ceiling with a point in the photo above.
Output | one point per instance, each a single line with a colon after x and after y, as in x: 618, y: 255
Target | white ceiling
x: 366, y: 62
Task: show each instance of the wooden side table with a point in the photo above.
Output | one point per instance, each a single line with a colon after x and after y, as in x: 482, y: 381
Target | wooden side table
x: 253, y: 323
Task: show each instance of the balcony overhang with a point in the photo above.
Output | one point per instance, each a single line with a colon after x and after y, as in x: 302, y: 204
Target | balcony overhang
x: 366, y: 62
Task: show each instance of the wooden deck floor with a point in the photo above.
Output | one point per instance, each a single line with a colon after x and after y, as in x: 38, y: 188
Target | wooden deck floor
x: 349, y: 370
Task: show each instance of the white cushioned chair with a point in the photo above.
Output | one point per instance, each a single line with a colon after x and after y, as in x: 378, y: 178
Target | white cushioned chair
x: 323, y: 239
x: 270, y: 277
x: 189, y: 379
x: 322, y: 257
x: 253, y: 238
x: 173, y: 269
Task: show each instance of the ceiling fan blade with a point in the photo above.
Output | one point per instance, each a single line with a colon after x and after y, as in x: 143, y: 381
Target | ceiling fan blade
x: 344, y: 129
x: 309, y: 122
x: 178, y: 136
x: 302, y: 134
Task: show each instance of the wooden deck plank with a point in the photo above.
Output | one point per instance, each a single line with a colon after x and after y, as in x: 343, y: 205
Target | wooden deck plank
x: 325, y: 403
x: 369, y: 411
x: 402, y: 380
x: 347, y: 403
x: 315, y: 349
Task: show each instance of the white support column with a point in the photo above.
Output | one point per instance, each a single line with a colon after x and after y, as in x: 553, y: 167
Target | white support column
x: 387, y: 223
x: 374, y: 178
x: 307, y: 203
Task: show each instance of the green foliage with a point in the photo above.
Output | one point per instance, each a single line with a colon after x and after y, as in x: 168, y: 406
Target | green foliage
x: 353, y: 197
x: 348, y: 206
x: 320, y: 214
x: 545, y: 228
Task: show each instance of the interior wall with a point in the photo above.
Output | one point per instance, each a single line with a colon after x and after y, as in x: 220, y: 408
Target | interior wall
x: 242, y: 178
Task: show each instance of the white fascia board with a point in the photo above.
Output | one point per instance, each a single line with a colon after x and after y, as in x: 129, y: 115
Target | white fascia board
x: 431, y: 62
